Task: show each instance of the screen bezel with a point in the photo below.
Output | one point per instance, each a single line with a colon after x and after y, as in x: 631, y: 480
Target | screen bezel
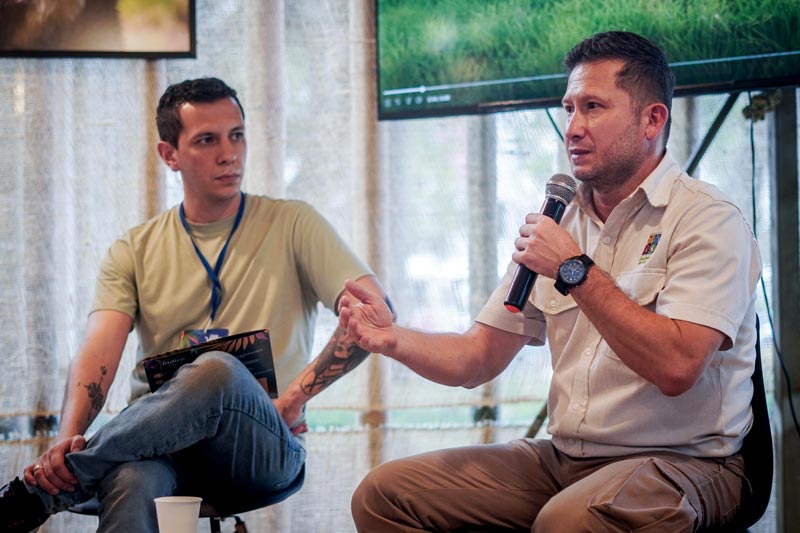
x: 495, y: 106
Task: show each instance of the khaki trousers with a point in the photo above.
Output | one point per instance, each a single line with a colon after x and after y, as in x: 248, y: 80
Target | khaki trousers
x: 528, y: 485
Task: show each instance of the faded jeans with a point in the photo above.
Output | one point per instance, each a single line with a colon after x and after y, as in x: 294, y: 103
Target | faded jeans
x: 210, y: 431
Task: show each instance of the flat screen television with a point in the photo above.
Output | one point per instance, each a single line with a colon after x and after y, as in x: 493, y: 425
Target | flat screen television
x: 448, y: 57
x: 97, y: 28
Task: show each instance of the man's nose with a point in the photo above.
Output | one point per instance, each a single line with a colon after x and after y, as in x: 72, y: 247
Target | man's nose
x: 576, y: 126
x: 227, y: 152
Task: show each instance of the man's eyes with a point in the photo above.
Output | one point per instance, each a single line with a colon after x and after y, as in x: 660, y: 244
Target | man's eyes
x: 211, y: 139
x: 570, y: 109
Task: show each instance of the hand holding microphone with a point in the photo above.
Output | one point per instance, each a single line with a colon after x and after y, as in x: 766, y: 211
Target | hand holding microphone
x: 559, y: 191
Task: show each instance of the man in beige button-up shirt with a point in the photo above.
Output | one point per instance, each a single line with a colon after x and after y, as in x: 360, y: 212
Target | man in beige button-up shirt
x: 652, y: 346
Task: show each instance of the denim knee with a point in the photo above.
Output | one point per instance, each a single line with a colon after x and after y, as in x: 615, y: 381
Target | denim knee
x: 215, y: 373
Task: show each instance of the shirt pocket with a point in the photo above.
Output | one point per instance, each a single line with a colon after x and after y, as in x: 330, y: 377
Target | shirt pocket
x: 551, y: 302
x: 561, y: 314
x: 643, y: 286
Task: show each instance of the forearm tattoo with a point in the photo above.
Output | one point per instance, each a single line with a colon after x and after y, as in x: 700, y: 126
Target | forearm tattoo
x: 340, y: 356
x: 96, y: 395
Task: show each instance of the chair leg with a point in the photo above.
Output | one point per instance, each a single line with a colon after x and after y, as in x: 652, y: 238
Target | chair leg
x: 215, y: 523
x: 537, y: 422
x: 240, y: 527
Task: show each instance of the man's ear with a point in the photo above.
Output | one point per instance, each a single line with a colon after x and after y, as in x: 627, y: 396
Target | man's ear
x: 169, y: 154
x: 656, y: 116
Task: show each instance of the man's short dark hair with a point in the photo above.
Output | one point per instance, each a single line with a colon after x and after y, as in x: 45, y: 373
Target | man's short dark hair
x: 645, y: 76
x: 205, y: 90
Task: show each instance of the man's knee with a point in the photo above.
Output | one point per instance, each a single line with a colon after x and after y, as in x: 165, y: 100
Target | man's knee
x: 375, y: 499
x: 216, y: 372
x: 367, y: 499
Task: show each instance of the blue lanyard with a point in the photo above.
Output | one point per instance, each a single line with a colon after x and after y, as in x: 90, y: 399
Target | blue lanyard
x: 213, y: 275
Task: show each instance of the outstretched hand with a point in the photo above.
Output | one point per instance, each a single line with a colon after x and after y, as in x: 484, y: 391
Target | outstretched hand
x: 50, y: 471
x: 367, y: 318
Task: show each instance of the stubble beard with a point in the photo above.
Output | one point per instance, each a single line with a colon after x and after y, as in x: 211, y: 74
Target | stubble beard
x: 623, y: 158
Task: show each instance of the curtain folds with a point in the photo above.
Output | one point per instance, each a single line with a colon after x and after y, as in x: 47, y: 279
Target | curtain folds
x: 433, y: 205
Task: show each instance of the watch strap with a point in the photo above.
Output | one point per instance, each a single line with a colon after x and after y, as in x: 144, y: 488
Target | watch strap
x: 562, y: 286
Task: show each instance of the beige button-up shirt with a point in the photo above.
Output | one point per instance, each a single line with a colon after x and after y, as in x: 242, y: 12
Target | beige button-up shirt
x: 678, y: 247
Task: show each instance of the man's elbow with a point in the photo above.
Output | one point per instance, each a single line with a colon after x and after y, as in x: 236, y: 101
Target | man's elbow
x: 689, y: 358
x: 477, y: 374
x: 676, y: 383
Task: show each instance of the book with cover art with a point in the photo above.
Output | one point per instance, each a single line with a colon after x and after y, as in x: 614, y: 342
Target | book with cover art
x: 251, y: 347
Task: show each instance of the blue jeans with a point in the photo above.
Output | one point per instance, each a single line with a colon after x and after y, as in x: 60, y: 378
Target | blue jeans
x: 210, y: 431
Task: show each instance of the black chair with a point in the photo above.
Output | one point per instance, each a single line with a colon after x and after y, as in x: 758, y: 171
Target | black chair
x: 758, y: 456
x: 207, y: 510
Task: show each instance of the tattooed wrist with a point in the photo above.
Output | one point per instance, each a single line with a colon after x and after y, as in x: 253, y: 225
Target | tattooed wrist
x: 340, y: 356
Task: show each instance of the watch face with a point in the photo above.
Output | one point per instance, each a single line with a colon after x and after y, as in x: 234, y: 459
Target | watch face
x: 572, y: 271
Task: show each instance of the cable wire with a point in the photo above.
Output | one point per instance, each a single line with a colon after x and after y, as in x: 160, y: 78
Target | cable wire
x: 777, y: 350
x: 555, y: 126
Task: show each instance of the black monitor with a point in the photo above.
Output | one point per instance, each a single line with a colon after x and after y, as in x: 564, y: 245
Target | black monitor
x: 449, y: 57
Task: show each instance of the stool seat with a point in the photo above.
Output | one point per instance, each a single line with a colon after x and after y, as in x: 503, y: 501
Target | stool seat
x: 207, y: 510
x: 92, y: 506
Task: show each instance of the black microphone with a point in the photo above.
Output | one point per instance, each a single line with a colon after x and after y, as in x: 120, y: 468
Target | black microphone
x: 559, y: 191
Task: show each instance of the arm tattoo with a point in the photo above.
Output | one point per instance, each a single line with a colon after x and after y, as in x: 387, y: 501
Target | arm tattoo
x: 340, y: 356
x: 96, y: 395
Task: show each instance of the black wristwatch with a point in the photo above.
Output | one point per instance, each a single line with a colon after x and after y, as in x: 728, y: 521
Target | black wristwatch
x: 572, y: 272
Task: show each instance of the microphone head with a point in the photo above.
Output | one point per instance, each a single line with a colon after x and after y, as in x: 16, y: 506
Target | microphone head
x: 561, y: 187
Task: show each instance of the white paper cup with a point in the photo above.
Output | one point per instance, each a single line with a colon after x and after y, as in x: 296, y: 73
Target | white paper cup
x: 178, y: 514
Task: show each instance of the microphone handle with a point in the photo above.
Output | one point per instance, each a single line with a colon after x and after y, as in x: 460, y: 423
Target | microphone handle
x: 524, y: 278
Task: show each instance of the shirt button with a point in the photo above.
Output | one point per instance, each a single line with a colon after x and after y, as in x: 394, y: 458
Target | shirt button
x: 588, y: 351
x: 553, y: 303
x: 606, y: 239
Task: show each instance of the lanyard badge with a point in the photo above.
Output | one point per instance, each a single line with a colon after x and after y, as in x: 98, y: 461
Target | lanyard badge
x: 213, y: 274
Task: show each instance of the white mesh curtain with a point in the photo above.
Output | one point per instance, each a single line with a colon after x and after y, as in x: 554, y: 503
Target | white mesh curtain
x: 73, y: 176
x: 76, y: 140
x: 432, y: 205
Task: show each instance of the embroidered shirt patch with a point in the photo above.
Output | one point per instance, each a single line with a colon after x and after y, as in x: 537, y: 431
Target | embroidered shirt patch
x: 650, y: 247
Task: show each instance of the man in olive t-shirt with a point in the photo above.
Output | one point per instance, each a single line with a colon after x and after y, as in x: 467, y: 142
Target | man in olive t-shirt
x: 222, y: 262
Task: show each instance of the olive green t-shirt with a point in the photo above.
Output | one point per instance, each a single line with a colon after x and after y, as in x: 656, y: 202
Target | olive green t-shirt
x: 282, y: 260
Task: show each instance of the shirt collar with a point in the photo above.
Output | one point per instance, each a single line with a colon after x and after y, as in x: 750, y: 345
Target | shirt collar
x: 658, y: 185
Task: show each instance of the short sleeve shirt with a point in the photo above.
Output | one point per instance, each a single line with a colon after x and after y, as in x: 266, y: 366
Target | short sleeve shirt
x: 678, y: 247
x: 282, y: 260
